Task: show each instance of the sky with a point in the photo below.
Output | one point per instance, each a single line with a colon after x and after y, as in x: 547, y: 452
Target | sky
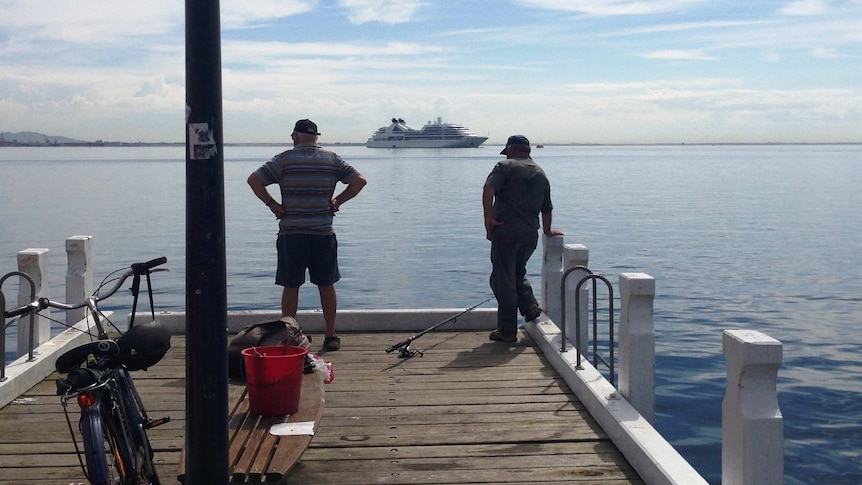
x: 556, y: 71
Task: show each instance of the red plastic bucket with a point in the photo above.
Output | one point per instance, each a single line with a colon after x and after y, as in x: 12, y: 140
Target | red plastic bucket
x: 274, y: 378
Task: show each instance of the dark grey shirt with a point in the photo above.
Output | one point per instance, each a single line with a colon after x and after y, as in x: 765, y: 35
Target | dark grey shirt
x: 521, y: 193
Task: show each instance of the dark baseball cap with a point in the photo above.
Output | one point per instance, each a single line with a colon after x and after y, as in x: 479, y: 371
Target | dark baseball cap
x: 516, y: 140
x: 305, y: 126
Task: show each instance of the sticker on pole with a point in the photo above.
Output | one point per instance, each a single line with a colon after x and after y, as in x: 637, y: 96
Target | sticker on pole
x: 201, y: 142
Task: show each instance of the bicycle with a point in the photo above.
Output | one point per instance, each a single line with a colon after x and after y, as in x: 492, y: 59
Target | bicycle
x: 113, y: 423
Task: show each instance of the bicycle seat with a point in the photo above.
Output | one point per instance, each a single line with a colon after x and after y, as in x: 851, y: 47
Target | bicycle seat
x: 73, y: 358
x: 144, y: 345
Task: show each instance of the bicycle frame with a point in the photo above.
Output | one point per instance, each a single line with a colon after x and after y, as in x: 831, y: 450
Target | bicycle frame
x: 139, y: 422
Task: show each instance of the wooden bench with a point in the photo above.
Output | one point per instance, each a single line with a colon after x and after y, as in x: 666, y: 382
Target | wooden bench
x: 255, y: 454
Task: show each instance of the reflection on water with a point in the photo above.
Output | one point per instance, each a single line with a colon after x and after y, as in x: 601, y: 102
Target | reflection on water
x: 760, y: 237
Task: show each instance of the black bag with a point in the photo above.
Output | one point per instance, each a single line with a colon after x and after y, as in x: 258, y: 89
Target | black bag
x: 279, y: 332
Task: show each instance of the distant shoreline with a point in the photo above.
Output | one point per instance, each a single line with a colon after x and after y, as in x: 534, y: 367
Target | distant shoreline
x: 146, y: 144
x: 181, y: 144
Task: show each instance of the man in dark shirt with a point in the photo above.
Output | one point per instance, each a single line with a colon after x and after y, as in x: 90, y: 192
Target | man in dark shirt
x: 515, y: 193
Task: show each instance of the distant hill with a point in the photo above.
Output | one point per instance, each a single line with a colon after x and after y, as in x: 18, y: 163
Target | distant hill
x: 33, y: 138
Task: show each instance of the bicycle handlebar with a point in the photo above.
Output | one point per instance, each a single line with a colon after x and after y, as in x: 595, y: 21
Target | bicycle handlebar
x: 18, y: 311
x: 144, y: 268
x: 136, y: 269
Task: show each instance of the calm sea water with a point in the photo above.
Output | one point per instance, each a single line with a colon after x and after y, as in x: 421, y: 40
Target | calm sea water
x: 760, y: 237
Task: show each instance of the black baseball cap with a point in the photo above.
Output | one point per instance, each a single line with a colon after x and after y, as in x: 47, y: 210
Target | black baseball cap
x: 516, y: 140
x: 305, y: 126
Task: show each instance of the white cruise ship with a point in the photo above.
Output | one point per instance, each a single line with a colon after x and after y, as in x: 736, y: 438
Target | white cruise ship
x: 432, y: 135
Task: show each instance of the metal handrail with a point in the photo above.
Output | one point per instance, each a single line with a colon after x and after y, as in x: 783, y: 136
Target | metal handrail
x: 32, y: 338
x: 563, y: 310
x: 609, y: 363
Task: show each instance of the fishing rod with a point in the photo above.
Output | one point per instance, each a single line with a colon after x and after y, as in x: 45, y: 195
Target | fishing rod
x: 404, y: 350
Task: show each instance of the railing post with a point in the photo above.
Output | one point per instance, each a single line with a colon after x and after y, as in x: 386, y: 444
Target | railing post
x: 552, y: 275
x: 79, y: 275
x: 637, y: 342
x: 575, y: 255
x: 752, y: 433
x: 33, y: 262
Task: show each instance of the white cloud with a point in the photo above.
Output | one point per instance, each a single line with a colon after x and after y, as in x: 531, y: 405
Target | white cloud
x: 266, y: 52
x: 382, y: 11
x: 805, y: 7
x: 153, y: 87
x: 237, y: 14
x: 90, y: 21
x: 612, y: 7
x: 678, y: 55
x: 824, y: 53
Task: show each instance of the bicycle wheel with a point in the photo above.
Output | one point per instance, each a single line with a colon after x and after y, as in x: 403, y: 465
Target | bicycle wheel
x: 104, y: 463
x: 145, y: 469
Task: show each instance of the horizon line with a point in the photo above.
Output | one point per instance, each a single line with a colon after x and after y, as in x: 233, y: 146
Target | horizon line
x: 538, y: 145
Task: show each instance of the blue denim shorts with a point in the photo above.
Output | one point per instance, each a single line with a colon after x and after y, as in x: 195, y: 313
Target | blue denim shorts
x: 314, y: 253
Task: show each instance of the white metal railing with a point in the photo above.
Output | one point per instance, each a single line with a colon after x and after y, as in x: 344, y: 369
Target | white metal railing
x: 32, y: 272
x: 752, y: 425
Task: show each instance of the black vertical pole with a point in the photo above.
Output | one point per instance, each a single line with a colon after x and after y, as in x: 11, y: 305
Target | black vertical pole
x: 206, y: 283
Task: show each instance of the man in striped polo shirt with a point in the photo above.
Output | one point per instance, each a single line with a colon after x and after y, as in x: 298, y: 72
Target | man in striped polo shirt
x: 307, y: 176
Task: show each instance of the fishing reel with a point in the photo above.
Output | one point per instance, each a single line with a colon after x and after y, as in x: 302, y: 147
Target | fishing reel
x: 404, y: 350
x: 407, y: 352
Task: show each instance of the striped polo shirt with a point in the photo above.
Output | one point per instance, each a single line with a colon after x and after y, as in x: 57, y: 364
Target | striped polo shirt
x: 307, y: 175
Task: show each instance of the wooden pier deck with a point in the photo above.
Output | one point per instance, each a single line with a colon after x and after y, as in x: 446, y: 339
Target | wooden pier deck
x: 468, y: 411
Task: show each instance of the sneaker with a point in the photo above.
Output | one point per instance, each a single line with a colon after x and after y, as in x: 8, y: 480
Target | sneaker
x: 503, y: 337
x: 533, y: 313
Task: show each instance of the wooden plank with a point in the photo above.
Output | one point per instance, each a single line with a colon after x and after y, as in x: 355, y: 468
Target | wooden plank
x: 242, y: 447
x: 260, y: 466
x: 254, y: 453
x: 470, y: 410
x: 472, y: 450
x: 288, y: 449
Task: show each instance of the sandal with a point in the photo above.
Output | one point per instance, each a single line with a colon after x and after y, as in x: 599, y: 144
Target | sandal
x: 332, y: 343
